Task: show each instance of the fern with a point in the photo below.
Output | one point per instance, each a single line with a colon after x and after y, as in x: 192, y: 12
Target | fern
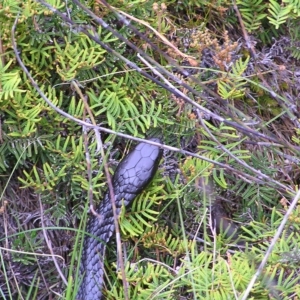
x: 233, y: 85
x: 45, y: 183
x: 46, y: 152
x: 295, y: 34
x: 10, y: 82
x: 144, y: 282
x: 278, y: 14
x: 21, y: 149
x: 229, y: 277
x: 296, y: 52
x: 142, y: 214
x: 166, y: 242
x: 294, y: 6
x: 252, y: 13
x: 120, y: 108
x: 74, y: 57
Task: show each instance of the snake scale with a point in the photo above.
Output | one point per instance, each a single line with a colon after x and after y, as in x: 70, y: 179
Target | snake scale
x: 132, y: 175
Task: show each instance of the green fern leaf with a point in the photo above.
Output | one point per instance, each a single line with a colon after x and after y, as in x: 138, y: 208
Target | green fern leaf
x: 233, y: 84
x: 279, y: 14
x: 294, y: 6
x: 252, y: 12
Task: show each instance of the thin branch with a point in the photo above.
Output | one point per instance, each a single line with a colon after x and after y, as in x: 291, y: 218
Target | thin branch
x: 272, y: 244
x: 117, y: 229
x: 182, y: 70
x: 251, y: 133
x: 246, y: 36
x: 259, y: 73
x: 86, y: 147
x: 146, y: 24
x: 88, y: 125
x: 258, y: 173
x: 110, y: 188
x: 49, y: 244
x: 240, y: 161
x: 257, y: 179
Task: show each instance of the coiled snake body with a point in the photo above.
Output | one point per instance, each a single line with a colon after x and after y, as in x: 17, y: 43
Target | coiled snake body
x: 132, y: 175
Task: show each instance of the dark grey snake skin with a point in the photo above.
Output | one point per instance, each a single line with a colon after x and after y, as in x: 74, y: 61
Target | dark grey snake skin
x: 132, y: 175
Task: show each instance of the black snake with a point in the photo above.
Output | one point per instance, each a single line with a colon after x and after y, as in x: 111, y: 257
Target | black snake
x: 132, y: 175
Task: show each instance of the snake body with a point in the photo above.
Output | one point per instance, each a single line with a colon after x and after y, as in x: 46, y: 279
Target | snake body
x: 132, y: 175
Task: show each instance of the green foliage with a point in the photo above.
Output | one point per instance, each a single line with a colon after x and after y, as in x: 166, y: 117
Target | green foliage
x: 296, y: 137
x: 207, y: 277
x: 73, y: 57
x: 295, y: 35
x: 45, y: 154
x: 254, y: 196
x: 253, y: 12
x: 21, y: 149
x: 42, y: 184
x: 25, y: 241
x: 146, y: 281
x: 232, y: 85
x: 167, y: 243
x: 278, y: 14
x: 294, y: 5
x: 142, y: 214
x: 116, y: 102
x: 255, y: 15
x: 10, y: 82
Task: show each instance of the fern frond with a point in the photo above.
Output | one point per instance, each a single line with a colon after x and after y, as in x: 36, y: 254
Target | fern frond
x: 279, y: 14
x: 294, y: 6
x: 146, y: 281
x: 233, y: 85
x: 77, y: 56
x: 10, y: 82
x: 120, y: 108
x: 142, y: 214
x: 252, y: 13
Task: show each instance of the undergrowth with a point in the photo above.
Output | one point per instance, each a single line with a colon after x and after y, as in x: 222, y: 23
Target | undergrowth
x: 216, y: 79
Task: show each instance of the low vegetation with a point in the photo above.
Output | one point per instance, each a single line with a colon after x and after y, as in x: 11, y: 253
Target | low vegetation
x: 217, y: 80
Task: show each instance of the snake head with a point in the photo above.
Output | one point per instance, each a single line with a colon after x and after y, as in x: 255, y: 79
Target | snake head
x: 137, y: 169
